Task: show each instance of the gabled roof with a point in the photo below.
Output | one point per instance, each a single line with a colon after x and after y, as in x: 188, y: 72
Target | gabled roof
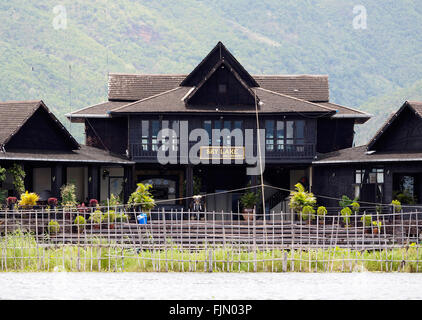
x: 212, y: 72
x: 415, y: 106
x: 218, y: 53
x: 14, y: 114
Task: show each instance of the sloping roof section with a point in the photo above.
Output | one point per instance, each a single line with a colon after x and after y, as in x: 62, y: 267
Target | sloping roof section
x: 14, y: 115
x: 95, y: 111
x: 132, y: 87
x: 415, y: 106
x: 314, y: 88
x: 84, y: 155
x: 173, y: 101
x: 218, y: 53
x: 361, y: 155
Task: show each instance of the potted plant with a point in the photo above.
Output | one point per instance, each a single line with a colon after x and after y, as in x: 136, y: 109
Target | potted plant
x: 249, y: 200
x: 346, y: 213
x: 93, y: 203
x: 321, y: 212
x: 396, y: 206
x: 143, y: 199
x: 68, y: 195
x: 308, y: 214
x: 53, y: 227
x: 301, y: 198
x: 80, y: 223
x: 109, y: 218
x: 28, y: 201
x: 366, y: 222
x: 11, y: 201
x: 96, y: 218
x: 52, y: 202
x: 376, y: 226
x: 122, y: 217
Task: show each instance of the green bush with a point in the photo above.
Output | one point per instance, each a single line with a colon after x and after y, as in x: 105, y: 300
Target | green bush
x: 366, y: 220
x: 96, y: 216
x: 301, y: 198
x: 346, y: 213
x: 109, y: 216
x: 355, y: 207
x: 321, y: 211
x: 122, y: 217
x: 79, y: 220
x: 308, y: 213
x: 143, y: 197
x: 53, y: 227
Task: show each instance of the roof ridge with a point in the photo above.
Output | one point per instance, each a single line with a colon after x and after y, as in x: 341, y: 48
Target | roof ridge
x: 21, y: 102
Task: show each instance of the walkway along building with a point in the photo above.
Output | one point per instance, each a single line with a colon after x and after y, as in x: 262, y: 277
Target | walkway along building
x: 30, y: 135
x: 299, y: 120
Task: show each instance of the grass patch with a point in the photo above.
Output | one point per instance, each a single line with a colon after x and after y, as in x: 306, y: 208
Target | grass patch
x: 20, y: 252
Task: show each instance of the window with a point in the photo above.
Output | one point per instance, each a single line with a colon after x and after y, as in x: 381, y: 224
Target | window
x: 375, y: 175
x: 280, y: 135
x: 145, y: 134
x: 269, y: 135
x: 155, y: 128
x: 285, y: 135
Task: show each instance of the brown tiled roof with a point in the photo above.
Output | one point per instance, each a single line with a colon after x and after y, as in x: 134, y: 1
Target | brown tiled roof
x: 84, y: 155
x: 131, y: 87
x: 173, y: 101
x: 14, y: 114
x: 361, y: 155
x: 313, y: 88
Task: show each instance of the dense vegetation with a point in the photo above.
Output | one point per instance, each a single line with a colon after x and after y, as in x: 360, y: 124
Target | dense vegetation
x: 374, y: 69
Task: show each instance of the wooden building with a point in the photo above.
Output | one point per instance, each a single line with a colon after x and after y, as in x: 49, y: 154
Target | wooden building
x: 299, y: 121
x: 389, y: 167
x: 31, y: 136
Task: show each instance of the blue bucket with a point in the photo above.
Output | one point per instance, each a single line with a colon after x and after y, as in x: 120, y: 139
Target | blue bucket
x: 142, y: 218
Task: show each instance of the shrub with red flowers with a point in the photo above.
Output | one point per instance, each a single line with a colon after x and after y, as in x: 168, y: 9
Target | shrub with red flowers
x: 93, y: 202
x: 52, y: 201
x: 11, y: 200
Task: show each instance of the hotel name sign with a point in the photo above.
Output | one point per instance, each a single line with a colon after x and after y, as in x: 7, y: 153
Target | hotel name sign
x: 222, y: 153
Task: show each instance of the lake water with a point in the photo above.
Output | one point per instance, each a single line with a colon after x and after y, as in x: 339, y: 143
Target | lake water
x: 180, y: 286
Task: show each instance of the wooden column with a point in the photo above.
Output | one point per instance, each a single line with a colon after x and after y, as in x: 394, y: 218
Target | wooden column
x: 93, y: 182
x: 129, y: 185
x: 189, y: 184
x: 56, y: 180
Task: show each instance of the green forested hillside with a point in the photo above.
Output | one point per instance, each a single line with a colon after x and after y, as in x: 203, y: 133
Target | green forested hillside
x: 374, y: 69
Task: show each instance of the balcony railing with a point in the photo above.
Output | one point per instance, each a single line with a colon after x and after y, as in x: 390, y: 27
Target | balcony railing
x: 148, y: 152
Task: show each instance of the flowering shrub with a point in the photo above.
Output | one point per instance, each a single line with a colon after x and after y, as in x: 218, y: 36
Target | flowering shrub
x: 52, y: 201
x: 82, y: 208
x: 11, y: 200
x: 346, y: 213
x: 28, y: 199
x: 321, y: 211
x: 308, y: 213
x: 93, y: 202
x: 396, y: 206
